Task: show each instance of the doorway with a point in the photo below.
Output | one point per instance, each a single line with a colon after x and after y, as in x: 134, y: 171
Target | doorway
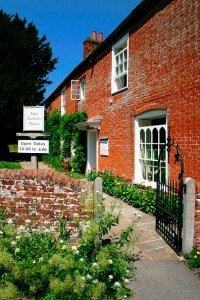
x: 92, y: 150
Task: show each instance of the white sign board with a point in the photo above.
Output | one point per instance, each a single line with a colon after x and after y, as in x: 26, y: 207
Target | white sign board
x: 33, y: 118
x: 33, y: 146
x: 104, y: 146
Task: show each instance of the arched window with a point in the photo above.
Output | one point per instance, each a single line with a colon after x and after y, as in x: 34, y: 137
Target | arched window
x: 150, y: 135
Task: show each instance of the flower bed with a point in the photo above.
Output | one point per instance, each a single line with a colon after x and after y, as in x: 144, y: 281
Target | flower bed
x: 34, y: 264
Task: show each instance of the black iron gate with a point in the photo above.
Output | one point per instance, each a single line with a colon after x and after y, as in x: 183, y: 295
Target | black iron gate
x: 169, y: 203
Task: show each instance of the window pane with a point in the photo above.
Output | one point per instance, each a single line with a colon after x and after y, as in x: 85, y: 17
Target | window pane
x: 148, y: 136
x: 148, y: 151
x: 162, y: 135
x: 152, y: 137
x: 142, y: 136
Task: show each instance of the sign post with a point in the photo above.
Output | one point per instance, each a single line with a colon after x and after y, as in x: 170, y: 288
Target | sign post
x: 33, y: 128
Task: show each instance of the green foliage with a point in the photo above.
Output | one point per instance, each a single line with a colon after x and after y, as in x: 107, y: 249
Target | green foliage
x: 71, y: 135
x: 53, y: 127
x: 26, y: 61
x: 9, y: 165
x: 64, y: 135
x: 139, y: 196
x: 36, y: 265
x: 194, y: 258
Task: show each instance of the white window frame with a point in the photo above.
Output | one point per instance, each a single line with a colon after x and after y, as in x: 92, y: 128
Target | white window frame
x: 78, y: 89
x: 82, y: 88
x: 120, y: 63
x: 63, y: 102
x: 155, y: 114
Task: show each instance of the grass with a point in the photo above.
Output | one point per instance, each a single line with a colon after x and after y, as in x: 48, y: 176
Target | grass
x: 9, y: 165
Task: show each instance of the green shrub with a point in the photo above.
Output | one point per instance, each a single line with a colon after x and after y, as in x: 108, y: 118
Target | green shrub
x: 194, y: 258
x: 9, y: 165
x: 34, y: 264
x: 65, y: 136
x: 139, y: 196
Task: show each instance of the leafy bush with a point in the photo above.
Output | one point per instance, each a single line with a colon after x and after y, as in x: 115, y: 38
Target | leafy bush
x: 194, y: 258
x: 9, y: 165
x: 139, y: 196
x: 64, y: 137
x: 34, y: 264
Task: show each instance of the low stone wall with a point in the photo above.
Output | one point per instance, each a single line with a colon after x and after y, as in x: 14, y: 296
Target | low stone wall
x: 40, y: 197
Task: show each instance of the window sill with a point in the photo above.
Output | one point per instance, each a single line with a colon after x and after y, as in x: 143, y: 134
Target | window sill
x: 119, y: 91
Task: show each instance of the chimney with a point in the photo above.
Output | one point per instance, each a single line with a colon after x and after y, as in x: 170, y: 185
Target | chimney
x: 91, y: 43
x: 94, y: 35
x: 100, y: 37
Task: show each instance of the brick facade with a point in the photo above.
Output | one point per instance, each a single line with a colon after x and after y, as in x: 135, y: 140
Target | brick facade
x: 163, y: 74
x: 40, y: 197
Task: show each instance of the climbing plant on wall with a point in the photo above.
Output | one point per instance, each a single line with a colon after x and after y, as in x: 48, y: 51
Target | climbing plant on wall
x: 67, y: 140
x: 74, y: 140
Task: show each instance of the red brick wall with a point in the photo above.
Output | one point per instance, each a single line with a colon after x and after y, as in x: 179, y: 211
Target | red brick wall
x: 40, y: 197
x: 55, y: 104
x: 164, y: 61
x: 163, y: 74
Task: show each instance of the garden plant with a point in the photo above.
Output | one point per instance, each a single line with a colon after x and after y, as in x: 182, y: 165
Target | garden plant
x: 36, y: 264
x: 137, y: 195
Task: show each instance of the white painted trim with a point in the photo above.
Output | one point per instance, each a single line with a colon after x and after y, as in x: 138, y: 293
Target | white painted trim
x: 125, y: 38
x: 138, y: 178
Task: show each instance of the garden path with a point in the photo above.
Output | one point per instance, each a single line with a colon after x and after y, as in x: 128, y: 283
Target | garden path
x: 161, y: 273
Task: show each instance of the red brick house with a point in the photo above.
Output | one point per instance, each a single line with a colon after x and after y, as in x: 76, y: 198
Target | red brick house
x: 138, y: 86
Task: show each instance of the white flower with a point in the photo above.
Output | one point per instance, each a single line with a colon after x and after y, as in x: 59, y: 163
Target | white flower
x: 110, y: 277
x: 34, y: 262
x: 13, y: 243
x: 18, y: 237
x: 95, y: 265
x: 75, y: 250
x: 21, y: 228
x: 17, y: 250
x: 126, y: 280
x: 110, y: 261
x: 95, y: 281
x: 28, y: 221
x: 88, y: 276
x: 81, y: 260
x: 1, y: 232
x: 61, y: 241
x: 41, y: 259
x: 117, y: 284
x: 64, y: 247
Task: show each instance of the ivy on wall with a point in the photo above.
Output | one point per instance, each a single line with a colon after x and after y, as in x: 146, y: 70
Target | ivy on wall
x: 65, y: 138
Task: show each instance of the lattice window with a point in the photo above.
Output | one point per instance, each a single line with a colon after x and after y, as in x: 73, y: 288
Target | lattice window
x: 75, y: 90
x: 151, y: 140
x: 120, y: 65
x: 78, y: 89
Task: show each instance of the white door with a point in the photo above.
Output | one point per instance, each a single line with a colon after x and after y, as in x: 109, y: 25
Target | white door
x: 91, y: 150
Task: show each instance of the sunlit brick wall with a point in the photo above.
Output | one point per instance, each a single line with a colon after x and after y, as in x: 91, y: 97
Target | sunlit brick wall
x: 40, y: 197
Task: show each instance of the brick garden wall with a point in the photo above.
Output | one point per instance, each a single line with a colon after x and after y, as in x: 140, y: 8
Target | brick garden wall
x: 40, y: 197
